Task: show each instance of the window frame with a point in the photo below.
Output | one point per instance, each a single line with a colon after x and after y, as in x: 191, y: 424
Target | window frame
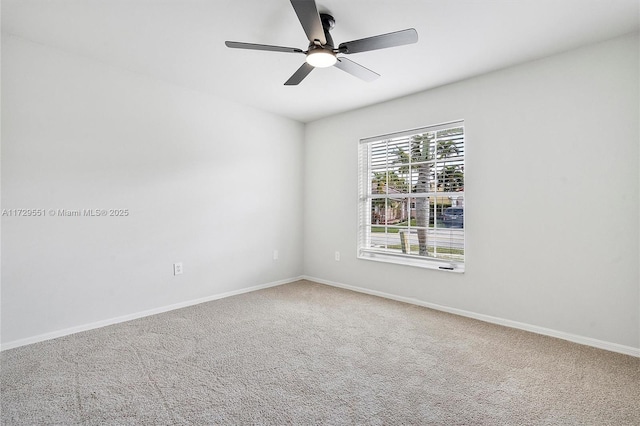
x: 366, y: 196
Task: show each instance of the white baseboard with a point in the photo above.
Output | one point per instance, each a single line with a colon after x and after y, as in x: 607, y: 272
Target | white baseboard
x: 111, y: 321
x: 601, y: 344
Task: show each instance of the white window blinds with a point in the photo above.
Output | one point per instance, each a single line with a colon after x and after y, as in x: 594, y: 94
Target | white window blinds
x: 412, y: 197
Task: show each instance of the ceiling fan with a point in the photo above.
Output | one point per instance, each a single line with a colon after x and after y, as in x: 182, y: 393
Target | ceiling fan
x: 321, y: 52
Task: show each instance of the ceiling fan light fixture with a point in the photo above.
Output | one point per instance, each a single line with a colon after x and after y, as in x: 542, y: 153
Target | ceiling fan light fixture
x: 321, y: 58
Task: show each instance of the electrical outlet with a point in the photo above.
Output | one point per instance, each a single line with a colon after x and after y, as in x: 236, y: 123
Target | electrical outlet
x: 337, y: 256
x: 177, y: 268
x: 276, y: 255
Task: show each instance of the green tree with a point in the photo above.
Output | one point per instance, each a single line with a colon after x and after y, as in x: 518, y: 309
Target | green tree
x: 386, y: 182
x: 451, y: 179
x: 451, y: 176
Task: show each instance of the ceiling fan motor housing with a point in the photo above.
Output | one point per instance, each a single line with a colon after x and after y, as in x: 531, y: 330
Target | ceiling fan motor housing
x: 328, y: 23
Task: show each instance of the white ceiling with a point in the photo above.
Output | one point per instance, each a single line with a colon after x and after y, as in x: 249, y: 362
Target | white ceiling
x: 182, y: 42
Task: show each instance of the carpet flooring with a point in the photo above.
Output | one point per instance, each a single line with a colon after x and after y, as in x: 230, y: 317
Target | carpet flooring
x: 305, y: 353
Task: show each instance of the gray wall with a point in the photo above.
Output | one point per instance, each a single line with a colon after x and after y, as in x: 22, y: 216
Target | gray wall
x: 215, y: 185
x: 551, y: 194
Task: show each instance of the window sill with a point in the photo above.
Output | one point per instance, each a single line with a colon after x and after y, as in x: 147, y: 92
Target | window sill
x: 402, y: 259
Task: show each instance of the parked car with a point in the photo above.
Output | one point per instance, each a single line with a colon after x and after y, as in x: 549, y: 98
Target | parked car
x: 453, y: 217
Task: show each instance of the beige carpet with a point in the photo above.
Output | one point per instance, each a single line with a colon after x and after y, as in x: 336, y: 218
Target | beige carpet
x: 305, y: 353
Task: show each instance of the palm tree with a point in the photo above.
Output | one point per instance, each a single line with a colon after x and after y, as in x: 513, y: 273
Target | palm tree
x: 421, y: 157
x: 418, y: 163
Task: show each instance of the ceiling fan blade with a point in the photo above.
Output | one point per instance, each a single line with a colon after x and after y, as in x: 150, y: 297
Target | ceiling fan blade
x: 356, y: 69
x: 253, y: 46
x: 382, y: 41
x: 310, y: 19
x: 299, y: 75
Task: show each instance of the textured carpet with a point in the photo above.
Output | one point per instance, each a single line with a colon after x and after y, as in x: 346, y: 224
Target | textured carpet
x: 305, y: 353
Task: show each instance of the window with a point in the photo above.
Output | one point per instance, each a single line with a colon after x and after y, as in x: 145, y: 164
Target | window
x: 411, y: 192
